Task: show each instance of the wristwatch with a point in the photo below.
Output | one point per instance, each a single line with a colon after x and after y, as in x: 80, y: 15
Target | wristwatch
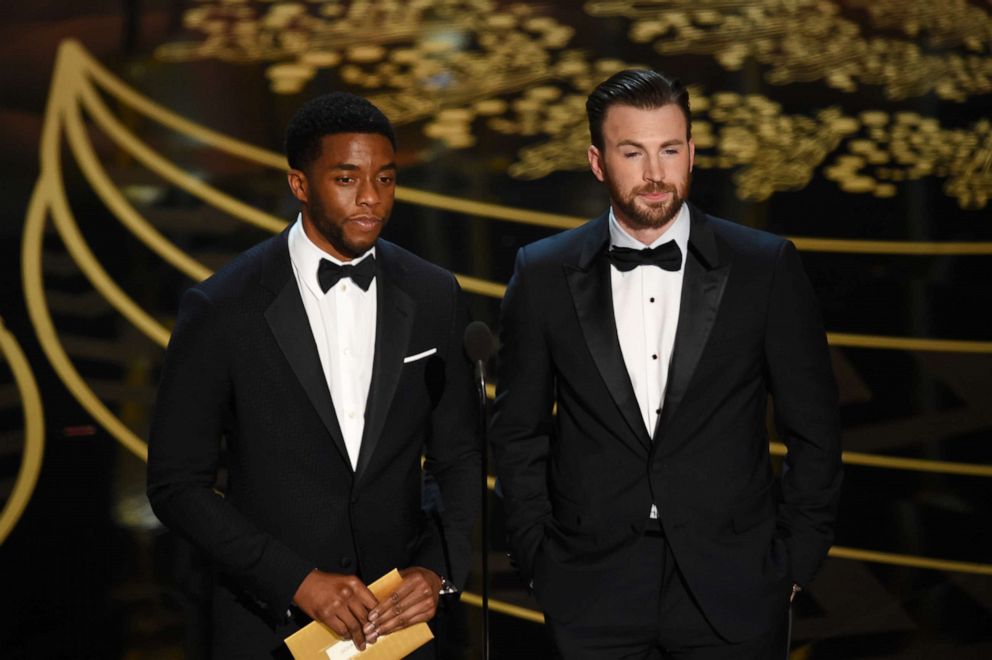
x: 446, y: 587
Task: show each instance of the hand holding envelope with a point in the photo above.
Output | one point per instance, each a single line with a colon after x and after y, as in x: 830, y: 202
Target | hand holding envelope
x: 317, y: 641
x: 342, y: 602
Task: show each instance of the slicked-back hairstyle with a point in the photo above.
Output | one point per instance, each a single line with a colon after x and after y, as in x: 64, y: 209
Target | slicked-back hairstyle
x: 329, y: 114
x: 638, y: 88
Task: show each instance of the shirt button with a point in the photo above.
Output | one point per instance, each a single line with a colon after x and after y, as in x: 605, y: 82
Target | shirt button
x: 344, y: 287
x: 654, y: 357
x: 351, y: 415
x: 652, y: 300
x: 345, y: 562
x: 657, y: 411
x: 346, y: 351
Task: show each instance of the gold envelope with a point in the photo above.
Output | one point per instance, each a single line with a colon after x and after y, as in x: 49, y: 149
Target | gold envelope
x: 315, y: 641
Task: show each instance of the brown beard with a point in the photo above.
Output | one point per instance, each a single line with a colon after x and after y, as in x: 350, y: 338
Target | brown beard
x: 639, y: 217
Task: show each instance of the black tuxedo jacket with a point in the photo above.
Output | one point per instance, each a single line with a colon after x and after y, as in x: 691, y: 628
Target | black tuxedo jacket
x: 579, y: 485
x: 242, y: 370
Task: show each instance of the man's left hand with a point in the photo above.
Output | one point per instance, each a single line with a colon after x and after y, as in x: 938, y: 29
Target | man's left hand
x: 414, y: 601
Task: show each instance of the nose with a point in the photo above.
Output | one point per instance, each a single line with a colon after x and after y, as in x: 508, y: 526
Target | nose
x: 653, y: 171
x: 368, y: 193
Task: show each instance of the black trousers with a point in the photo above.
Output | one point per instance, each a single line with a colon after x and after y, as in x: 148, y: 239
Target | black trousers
x: 651, y: 615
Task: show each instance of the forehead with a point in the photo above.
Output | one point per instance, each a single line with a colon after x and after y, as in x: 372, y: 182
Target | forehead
x: 362, y: 149
x: 625, y: 122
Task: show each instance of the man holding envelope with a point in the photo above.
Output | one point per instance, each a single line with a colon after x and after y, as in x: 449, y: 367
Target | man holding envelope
x: 318, y: 368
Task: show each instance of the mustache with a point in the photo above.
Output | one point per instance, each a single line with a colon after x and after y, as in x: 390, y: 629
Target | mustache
x: 656, y: 188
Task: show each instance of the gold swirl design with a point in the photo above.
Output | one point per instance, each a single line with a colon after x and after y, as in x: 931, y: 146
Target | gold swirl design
x: 34, y: 433
x: 809, y: 40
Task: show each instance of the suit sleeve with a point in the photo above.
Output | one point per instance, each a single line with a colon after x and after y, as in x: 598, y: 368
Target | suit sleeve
x: 804, y: 395
x: 453, y: 457
x: 192, y: 414
x: 522, y: 418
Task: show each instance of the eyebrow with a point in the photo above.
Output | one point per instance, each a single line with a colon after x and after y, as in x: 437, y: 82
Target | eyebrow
x: 634, y: 143
x: 352, y: 167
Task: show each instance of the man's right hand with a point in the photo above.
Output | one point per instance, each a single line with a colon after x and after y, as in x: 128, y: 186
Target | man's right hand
x: 341, y: 602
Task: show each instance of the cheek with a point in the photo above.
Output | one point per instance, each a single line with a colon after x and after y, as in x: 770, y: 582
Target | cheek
x: 336, y: 201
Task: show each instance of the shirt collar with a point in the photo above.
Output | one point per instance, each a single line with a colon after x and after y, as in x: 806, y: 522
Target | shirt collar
x: 678, y: 232
x: 306, y: 256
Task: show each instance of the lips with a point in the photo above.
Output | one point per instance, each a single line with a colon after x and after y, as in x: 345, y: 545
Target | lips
x: 656, y: 195
x: 366, y: 222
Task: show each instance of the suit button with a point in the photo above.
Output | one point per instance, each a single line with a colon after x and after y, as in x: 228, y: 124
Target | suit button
x: 345, y: 562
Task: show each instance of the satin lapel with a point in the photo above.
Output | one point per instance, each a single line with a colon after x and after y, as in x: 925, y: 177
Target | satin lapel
x: 592, y: 294
x: 702, y: 289
x: 288, y: 320
x: 394, y: 321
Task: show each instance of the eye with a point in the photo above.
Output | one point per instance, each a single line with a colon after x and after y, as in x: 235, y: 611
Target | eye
x: 671, y: 151
x: 631, y: 154
x: 343, y: 179
x: 386, y: 179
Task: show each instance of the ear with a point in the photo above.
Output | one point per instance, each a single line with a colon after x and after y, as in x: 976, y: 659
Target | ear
x: 298, y: 185
x: 595, y: 161
x: 692, y: 153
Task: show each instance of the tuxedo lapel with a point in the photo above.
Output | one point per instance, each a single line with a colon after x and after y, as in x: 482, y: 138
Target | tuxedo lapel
x: 288, y: 320
x: 394, y: 320
x: 702, y: 289
x: 589, y: 282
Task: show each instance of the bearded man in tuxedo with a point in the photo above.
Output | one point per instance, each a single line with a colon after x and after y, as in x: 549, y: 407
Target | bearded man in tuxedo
x: 326, y: 362
x: 646, y: 511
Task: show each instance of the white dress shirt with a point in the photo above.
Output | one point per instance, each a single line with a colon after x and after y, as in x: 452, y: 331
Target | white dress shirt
x: 343, y: 325
x: 646, y: 303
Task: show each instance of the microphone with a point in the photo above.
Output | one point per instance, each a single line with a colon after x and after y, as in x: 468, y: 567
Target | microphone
x: 479, y: 346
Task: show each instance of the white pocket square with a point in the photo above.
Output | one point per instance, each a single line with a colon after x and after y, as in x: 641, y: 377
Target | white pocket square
x: 419, y: 356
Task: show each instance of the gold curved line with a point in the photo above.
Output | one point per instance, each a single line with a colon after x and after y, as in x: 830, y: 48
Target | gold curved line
x: 72, y: 50
x: 34, y: 296
x: 118, y: 205
x: 909, y: 343
x: 34, y: 433
x: 481, y: 286
x: 49, y: 185
x: 900, y: 463
x: 905, y: 248
x: 838, y: 552
x: 504, y: 608
x: 80, y: 252
x: 894, y: 559
x: 486, y: 209
x: 154, y: 161
x: 267, y: 158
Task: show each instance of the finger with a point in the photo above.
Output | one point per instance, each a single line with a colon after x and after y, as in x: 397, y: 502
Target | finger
x: 339, y: 627
x: 417, y: 612
x: 354, y: 628
x: 358, y: 610
x: 362, y: 593
x: 416, y: 601
x: 390, y: 608
x: 387, y: 603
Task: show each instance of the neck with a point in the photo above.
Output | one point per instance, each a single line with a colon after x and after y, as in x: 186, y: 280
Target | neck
x: 321, y: 241
x: 645, y: 235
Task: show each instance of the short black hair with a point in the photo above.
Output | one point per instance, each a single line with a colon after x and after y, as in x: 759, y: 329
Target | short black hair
x: 329, y: 114
x: 639, y: 88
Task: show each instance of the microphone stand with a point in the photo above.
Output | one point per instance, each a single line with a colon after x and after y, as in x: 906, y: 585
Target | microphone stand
x: 480, y: 374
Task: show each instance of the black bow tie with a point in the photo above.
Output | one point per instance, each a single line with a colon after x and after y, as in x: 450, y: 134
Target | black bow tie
x: 667, y: 256
x: 362, y: 273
